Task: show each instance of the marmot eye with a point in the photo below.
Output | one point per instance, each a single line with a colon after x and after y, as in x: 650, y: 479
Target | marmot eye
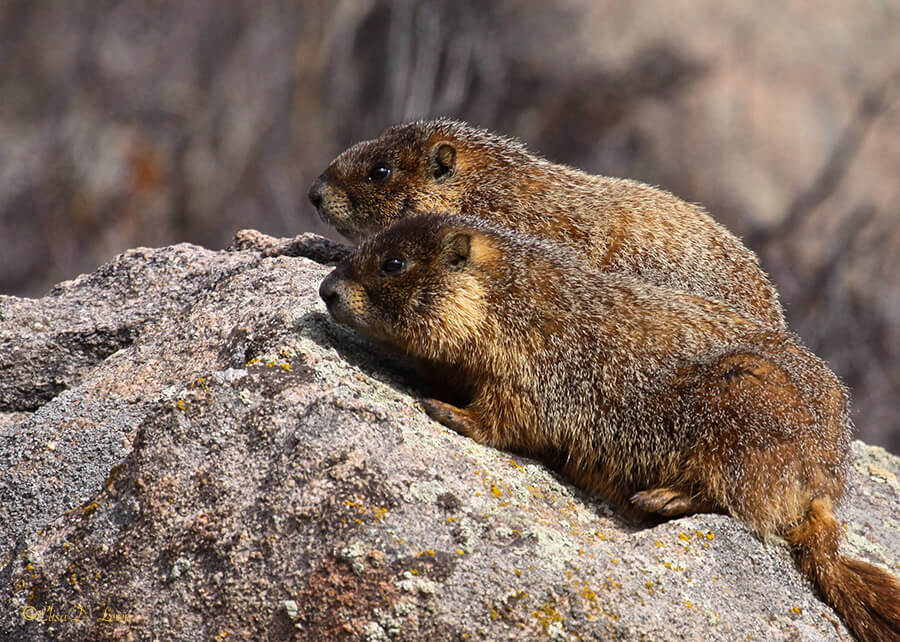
x: 392, y: 265
x: 379, y: 173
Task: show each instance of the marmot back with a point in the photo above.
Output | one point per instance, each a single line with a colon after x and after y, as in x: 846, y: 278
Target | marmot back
x: 620, y: 225
x: 661, y: 402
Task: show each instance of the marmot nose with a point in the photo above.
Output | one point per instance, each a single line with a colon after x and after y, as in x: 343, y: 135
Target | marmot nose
x: 315, y: 191
x: 328, y: 290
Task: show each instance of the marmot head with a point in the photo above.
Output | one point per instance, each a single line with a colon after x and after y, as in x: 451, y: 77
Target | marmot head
x: 424, y: 166
x: 416, y: 286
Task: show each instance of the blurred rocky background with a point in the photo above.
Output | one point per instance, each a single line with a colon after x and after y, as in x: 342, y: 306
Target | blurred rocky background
x: 133, y: 123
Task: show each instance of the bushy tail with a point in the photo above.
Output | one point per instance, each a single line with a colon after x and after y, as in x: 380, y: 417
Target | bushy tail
x: 866, y: 597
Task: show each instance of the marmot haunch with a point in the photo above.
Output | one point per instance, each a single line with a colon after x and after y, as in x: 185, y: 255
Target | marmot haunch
x: 621, y: 225
x: 659, y: 402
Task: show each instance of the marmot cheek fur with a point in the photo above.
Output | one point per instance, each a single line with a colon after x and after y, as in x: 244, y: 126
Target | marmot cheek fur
x: 619, y: 225
x: 661, y: 402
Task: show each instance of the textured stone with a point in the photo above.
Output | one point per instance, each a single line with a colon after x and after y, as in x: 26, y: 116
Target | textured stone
x: 230, y: 464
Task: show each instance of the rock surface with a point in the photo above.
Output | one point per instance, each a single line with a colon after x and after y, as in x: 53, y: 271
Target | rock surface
x: 191, y: 449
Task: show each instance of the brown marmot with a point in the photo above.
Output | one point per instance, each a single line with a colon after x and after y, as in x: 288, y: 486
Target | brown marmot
x: 621, y: 225
x: 660, y: 402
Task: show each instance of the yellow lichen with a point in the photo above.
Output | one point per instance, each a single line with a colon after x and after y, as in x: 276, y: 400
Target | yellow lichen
x: 588, y: 594
x: 547, y: 614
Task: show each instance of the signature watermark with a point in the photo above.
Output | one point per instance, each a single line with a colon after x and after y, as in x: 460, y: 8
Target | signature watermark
x: 76, y: 614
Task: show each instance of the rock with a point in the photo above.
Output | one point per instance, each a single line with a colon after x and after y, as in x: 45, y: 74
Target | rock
x: 218, y: 460
x: 308, y: 245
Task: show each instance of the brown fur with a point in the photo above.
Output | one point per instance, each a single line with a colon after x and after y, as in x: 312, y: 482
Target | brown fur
x: 621, y: 225
x: 660, y: 402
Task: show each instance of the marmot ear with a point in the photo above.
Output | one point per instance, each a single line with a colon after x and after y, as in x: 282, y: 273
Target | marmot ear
x: 458, y: 246
x: 444, y: 161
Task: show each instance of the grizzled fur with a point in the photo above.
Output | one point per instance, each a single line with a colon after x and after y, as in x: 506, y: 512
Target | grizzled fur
x: 661, y: 402
x: 620, y: 225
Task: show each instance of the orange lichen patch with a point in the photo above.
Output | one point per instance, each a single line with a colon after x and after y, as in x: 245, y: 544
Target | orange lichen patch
x: 588, y: 595
x: 504, y: 609
x: 547, y: 615
x: 199, y: 382
x: 376, y: 513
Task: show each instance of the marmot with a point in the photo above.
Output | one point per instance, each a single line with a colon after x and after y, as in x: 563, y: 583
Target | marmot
x: 620, y: 225
x: 660, y: 402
